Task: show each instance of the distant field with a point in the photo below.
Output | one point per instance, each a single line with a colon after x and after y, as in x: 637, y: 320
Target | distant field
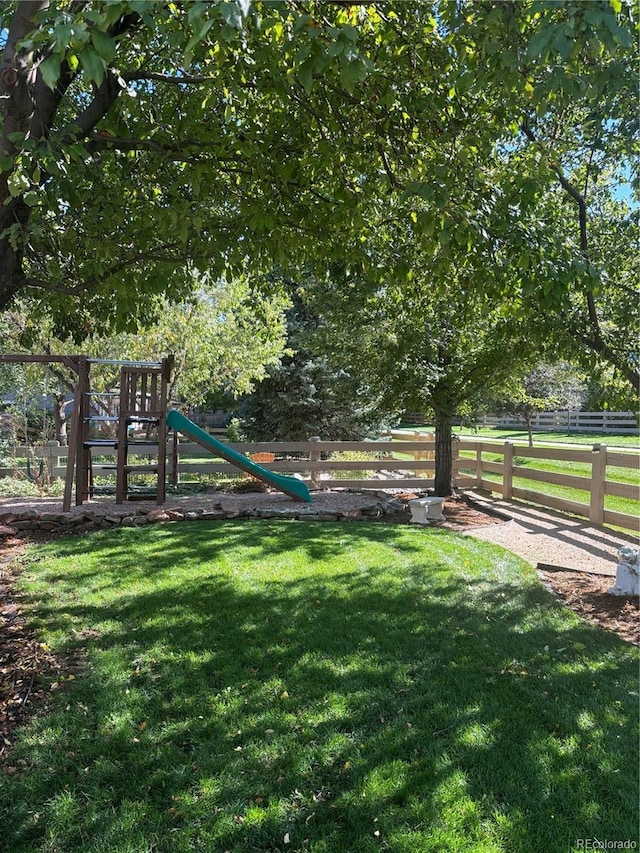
x: 540, y: 438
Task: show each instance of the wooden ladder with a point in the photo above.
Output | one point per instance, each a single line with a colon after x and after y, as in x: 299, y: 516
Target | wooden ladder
x: 143, y: 400
x: 143, y: 404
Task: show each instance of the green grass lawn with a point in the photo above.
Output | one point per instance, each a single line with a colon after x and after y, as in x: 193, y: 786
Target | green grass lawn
x: 337, y: 688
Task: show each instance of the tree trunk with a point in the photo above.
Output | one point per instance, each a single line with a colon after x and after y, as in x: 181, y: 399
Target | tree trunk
x: 444, y: 458
x: 60, y: 419
x: 12, y: 278
x: 29, y: 107
x: 529, y: 418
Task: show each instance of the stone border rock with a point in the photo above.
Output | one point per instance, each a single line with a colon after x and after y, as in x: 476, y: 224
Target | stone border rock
x: 22, y: 523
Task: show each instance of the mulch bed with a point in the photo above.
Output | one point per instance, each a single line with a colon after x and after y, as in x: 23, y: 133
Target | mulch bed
x: 29, y: 669
x: 587, y: 595
x: 26, y: 663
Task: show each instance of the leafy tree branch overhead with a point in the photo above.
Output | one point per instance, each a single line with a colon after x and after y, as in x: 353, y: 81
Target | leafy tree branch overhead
x: 139, y: 140
x: 180, y: 129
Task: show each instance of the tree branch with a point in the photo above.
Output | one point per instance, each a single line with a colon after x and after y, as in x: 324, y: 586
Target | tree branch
x: 132, y: 76
x: 30, y: 283
x: 596, y: 340
x: 64, y: 379
x: 393, y: 180
x: 140, y: 257
x: 178, y: 152
x: 119, y: 143
x: 104, y: 98
x: 105, y: 94
x: 581, y: 204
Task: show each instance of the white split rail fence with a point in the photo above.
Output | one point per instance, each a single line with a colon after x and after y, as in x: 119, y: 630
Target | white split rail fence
x: 570, y: 421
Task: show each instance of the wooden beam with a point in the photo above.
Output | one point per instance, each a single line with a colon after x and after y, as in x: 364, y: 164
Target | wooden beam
x: 71, y: 361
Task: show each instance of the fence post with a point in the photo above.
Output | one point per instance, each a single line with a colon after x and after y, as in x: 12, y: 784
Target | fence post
x: 598, y: 477
x: 507, y: 473
x: 175, y: 451
x: 417, y: 454
x: 51, y: 452
x: 479, y: 465
x: 422, y: 455
x: 314, y: 456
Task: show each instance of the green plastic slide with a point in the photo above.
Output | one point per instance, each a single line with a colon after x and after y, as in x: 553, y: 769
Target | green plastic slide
x: 289, y: 485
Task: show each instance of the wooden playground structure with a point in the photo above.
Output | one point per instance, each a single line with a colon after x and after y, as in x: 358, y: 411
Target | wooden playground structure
x: 141, y: 423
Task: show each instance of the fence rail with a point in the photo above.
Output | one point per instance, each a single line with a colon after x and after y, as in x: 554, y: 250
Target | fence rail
x: 602, y: 422
x: 409, y: 463
x: 474, y: 470
x: 623, y: 423
x: 376, y: 464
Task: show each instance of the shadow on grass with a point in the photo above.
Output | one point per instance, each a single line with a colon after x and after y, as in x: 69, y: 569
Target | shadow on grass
x: 375, y: 687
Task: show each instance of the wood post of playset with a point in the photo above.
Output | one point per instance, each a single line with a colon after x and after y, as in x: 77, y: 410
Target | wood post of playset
x: 74, y: 449
x: 143, y: 399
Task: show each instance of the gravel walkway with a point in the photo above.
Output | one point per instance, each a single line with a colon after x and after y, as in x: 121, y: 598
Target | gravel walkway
x: 545, y: 536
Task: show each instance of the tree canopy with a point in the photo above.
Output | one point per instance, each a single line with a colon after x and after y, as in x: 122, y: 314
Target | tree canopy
x: 139, y: 140
x: 311, y: 391
x: 222, y: 340
x: 421, y: 345
x: 545, y: 388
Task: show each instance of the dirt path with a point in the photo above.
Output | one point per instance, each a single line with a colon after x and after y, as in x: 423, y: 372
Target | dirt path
x: 552, y: 538
x: 575, y: 560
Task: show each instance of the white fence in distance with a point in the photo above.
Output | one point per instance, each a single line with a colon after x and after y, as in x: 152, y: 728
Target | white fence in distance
x: 623, y: 423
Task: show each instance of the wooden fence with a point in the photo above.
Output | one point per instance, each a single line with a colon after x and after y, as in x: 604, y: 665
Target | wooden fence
x: 622, y: 423
x: 373, y: 464
x: 408, y: 463
x: 473, y: 469
x: 329, y: 464
x: 570, y: 421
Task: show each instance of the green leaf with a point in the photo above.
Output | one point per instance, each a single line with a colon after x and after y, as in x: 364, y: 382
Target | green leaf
x: 349, y: 32
x: 93, y: 15
x: 349, y: 75
x: 419, y: 188
x: 228, y: 32
x: 188, y: 51
x: 539, y: 44
x: 144, y: 9
x: 63, y: 34
x: 93, y: 65
x: 50, y: 70
x: 105, y: 46
x: 231, y: 14
x: 305, y: 76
